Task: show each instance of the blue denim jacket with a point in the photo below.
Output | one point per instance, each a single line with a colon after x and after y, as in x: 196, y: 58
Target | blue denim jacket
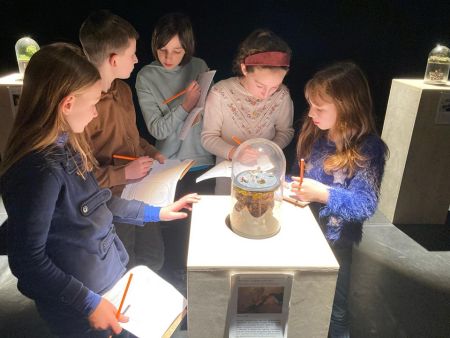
x: 61, y: 238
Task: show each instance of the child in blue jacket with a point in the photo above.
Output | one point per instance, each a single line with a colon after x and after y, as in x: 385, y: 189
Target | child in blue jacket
x: 62, y: 243
x: 344, y: 165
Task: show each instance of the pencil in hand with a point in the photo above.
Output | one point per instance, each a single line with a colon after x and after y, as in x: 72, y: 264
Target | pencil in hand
x: 123, y: 157
x: 301, y: 164
x: 170, y: 99
x: 123, y: 298
x: 236, y: 140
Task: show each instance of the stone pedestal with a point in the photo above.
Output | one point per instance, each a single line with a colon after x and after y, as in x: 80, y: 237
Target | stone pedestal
x: 215, y: 253
x: 10, y: 88
x: 416, y: 183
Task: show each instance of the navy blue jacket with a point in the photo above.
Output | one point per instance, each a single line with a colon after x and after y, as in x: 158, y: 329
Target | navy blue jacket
x: 61, y: 238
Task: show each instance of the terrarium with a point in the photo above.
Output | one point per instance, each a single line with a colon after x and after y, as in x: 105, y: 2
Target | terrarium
x: 258, y: 169
x: 25, y: 48
x: 438, y: 65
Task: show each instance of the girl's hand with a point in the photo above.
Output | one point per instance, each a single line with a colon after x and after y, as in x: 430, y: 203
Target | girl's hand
x: 104, y: 317
x: 310, y: 190
x: 191, y: 97
x: 171, y: 212
x: 160, y: 157
x: 250, y: 155
x: 138, y: 168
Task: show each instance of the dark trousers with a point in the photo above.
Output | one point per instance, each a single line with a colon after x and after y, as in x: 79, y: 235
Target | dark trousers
x: 176, y: 233
x: 339, y: 323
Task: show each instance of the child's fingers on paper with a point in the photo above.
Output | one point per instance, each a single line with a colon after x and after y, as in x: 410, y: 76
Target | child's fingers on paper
x: 116, y: 328
x: 123, y: 318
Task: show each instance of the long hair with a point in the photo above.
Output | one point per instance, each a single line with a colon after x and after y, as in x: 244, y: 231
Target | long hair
x: 344, y: 85
x: 53, y: 73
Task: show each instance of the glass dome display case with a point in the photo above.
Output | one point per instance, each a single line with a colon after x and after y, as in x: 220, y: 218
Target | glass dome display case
x: 438, y: 65
x: 25, y: 48
x: 258, y: 169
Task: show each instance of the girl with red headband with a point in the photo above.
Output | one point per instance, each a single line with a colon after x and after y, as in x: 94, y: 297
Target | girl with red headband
x: 253, y: 104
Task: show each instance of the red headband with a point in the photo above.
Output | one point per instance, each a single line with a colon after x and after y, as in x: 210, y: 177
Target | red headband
x: 277, y: 59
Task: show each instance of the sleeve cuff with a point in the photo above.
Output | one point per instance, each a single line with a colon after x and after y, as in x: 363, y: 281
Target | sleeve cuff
x: 92, y: 301
x: 151, y: 213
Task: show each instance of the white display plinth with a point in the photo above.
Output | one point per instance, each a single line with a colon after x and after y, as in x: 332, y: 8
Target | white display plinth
x: 416, y: 182
x: 215, y: 253
x: 10, y: 89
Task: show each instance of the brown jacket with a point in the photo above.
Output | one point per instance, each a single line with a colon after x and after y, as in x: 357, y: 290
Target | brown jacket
x: 114, y: 131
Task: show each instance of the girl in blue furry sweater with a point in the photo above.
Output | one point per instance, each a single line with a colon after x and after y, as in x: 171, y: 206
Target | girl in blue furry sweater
x: 344, y: 160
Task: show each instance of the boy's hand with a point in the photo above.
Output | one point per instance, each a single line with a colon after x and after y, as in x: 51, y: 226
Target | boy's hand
x: 159, y: 157
x: 138, y: 168
x: 104, y: 317
x: 191, y: 97
x: 171, y: 212
x: 310, y: 190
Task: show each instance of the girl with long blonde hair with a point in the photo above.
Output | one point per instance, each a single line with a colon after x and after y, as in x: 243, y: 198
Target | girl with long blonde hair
x: 344, y: 166
x: 62, y: 244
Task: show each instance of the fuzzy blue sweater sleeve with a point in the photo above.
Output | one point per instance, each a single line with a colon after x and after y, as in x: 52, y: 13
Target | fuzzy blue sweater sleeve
x: 351, y: 200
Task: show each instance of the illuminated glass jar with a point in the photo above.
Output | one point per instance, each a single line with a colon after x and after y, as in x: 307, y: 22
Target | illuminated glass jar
x: 438, y: 65
x: 25, y: 48
x: 258, y: 169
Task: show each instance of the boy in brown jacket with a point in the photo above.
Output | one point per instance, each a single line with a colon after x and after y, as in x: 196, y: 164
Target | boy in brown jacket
x: 109, y: 42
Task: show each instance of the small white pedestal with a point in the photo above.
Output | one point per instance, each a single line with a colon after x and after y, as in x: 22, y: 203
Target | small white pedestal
x: 215, y: 253
x: 10, y: 88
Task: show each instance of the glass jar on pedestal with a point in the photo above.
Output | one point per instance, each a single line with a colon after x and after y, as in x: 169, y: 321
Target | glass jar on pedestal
x: 438, y: 65
x: 258, y: 169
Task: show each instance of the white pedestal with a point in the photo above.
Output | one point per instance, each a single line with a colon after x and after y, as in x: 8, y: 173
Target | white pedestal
x: 416, y: 183
x: 215, y: 253
x: 10, y: 88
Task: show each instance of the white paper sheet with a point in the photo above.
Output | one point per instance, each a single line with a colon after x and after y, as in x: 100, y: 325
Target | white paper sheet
x: 223, y: 169
x: 159, y: 186
x: 259, y: 305
x: 152, y: 303
x: 204, y: 80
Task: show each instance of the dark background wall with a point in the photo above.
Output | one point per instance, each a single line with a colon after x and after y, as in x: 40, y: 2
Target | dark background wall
x: 388, y: 39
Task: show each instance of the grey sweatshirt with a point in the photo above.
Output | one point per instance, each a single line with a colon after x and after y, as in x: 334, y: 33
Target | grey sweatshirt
x: 154, y: 84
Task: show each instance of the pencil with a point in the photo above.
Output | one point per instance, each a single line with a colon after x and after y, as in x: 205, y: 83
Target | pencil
x: 235, y: 139
x: 170, y: 99
x: 302, y: 170
x: 123, y: 298
x: 123, y: 157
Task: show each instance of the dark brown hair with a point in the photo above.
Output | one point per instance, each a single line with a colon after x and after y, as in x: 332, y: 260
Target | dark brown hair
x: 54, y: 72
x: 260, y: 40
x: 167, y: 27
x: 104, y: 33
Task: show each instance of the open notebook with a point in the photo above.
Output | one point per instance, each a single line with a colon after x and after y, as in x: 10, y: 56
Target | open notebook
x: 159, y: 186
x: 155, y: 308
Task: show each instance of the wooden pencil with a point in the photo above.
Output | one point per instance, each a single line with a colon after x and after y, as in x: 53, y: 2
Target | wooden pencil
x: 170, y: 99
x: 235, y: 139
x: 123, y: 298
x: 302, y: 170
x: 123, y: 157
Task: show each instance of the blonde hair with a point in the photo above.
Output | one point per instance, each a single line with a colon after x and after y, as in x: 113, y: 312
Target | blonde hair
x: 344, y: 85
x: 53, y: 73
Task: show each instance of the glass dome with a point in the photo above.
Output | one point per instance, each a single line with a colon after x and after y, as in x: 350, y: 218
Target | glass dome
x: 258, y: 169
x: 438, y: 65
x: 25, y: 48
